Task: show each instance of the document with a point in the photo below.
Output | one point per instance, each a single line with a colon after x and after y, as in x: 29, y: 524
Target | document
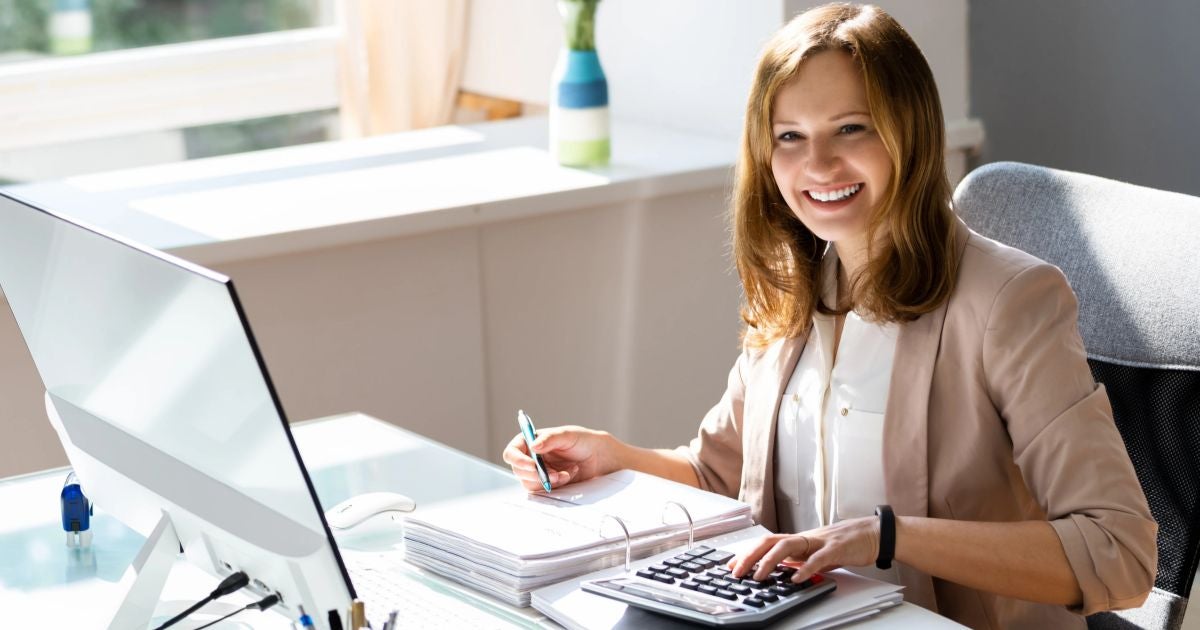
x: 508, y: 542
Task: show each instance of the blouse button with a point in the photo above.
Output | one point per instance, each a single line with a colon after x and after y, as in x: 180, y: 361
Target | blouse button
x: 845, y: 410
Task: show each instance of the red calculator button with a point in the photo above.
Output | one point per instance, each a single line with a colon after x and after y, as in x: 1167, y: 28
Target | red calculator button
x: 817, y: 578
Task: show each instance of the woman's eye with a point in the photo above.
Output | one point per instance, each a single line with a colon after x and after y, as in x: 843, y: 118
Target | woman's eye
x: 849, y: 129
x: 788, y: 136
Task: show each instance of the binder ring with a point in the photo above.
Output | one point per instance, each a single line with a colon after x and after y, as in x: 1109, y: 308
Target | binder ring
x: 628, y: 541
x: 691, y: 525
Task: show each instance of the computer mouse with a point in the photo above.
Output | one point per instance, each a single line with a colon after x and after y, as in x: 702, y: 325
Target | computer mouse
x: 357, y: 509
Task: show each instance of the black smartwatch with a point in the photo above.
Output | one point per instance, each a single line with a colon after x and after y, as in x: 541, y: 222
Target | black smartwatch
x: 887, y: 536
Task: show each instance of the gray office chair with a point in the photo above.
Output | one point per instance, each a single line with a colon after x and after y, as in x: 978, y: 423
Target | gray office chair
x: 1132, y: 255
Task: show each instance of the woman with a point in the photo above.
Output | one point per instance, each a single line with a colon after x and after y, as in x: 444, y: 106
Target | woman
x: 866, y: 299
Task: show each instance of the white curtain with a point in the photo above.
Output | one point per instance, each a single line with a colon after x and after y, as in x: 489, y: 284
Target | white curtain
x: 400, y: 63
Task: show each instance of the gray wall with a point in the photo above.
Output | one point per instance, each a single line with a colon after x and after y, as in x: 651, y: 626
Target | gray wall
x: 1107, y: 87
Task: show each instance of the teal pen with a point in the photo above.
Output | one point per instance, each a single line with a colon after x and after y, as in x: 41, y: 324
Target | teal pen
x: 530, y: 434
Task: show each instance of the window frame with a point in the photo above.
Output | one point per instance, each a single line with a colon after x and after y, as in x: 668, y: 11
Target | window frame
x: 173, y: 86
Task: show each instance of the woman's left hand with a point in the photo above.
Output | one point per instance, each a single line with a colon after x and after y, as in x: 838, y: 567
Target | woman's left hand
x: 853, y: 542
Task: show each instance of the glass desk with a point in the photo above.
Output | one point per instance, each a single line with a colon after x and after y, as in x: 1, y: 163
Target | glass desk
x: 45, y: 584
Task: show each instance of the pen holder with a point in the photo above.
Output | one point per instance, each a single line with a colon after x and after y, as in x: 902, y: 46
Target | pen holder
x: 628, y: 540
x: 686, y: 513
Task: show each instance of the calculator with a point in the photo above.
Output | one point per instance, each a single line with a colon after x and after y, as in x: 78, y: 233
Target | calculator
x: 695, y: 586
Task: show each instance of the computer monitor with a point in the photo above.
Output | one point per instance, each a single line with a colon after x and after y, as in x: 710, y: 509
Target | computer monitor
x: 163, y: 403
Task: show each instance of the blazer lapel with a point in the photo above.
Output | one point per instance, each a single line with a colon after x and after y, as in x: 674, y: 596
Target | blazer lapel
x: 906, y: 426
x: 762, y: 401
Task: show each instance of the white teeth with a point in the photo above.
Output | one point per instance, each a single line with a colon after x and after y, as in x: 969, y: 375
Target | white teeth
x: 835, y: 195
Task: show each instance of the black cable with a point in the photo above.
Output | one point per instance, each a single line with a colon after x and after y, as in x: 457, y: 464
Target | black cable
x: 262, y: 604
x: 233, y: 583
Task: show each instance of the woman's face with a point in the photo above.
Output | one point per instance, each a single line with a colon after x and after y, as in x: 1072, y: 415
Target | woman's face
x: 828, y: 160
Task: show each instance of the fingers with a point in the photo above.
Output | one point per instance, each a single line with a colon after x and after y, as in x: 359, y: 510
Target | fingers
x: 797, y: 547
x: 743, y: 563
x: 516, y: 455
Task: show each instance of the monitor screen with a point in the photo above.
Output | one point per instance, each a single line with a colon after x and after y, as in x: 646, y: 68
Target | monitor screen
x: 165, y: 402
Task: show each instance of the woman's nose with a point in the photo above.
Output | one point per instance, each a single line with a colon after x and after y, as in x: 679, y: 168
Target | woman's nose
x: 821, y: 160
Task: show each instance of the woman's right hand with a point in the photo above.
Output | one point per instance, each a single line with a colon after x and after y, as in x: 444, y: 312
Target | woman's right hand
x: 570, y: 454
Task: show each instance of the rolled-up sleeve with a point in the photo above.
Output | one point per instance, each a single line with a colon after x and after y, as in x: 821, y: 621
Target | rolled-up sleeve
x: 716, y: 451
x: 1065, y: 441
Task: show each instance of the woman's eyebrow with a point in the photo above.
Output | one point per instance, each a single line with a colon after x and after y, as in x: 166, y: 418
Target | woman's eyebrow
x: 857, y: 112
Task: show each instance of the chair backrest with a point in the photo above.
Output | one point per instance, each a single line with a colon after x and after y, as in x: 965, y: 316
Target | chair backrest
x: 1132, y: 256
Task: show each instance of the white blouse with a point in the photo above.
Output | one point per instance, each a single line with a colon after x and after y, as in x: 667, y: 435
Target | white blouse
x: 829, y: 441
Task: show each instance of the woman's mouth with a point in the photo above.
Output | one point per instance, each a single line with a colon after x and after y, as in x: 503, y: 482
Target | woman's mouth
x: 833, y: 196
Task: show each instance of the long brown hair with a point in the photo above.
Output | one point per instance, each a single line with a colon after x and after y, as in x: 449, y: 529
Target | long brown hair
x: 911, y: 267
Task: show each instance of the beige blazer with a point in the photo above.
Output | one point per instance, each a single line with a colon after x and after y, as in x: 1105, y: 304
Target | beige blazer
x: 992, y: 415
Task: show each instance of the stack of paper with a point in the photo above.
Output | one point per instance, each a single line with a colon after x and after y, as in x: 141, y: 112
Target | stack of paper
x: 509, y: 542
x: 856, y: 598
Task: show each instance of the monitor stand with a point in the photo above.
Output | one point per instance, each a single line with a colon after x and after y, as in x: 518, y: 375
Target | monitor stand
x: 146, y: 576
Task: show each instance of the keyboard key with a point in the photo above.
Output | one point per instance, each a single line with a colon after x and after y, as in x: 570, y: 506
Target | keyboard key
x: 718, y: 556
x: 753, y: 601
x: 739, y: 589
x: 717, y: 573
x: 664, y: 578
x: 758, y: 583
x: 720, y: 583
x: 690, y: 585
x: 646, y: 573
x: 673, y: 562
x: 768, y: 596
x: 659, y: 568
x: 727, y: 594
x: 691, y: 566
x: 679, y: 573
x: 707, y: 588
x: 699, y: 551
x: 703, y: 562
x: 702, y: 579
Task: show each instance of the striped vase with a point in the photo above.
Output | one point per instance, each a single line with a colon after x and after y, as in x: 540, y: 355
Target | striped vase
x: 579, y: 133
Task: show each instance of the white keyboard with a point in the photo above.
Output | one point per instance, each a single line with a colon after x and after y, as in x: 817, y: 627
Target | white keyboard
x: 422, y: 602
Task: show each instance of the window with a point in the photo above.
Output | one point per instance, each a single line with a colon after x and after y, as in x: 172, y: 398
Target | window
x: 99, y: 84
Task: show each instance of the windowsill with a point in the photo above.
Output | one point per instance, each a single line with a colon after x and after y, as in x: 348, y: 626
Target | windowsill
x: 326, y: 194
x: 293, y: 199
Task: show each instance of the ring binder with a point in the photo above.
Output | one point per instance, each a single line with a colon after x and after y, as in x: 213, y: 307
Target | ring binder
x: 691, y: 524
x: 628, y: 540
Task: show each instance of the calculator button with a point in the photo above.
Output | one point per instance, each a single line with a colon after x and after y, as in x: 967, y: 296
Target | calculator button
x: 664, y: 578
x: 699, y: 551
x: 727, y: 594
x: 758, y: 583
x: 753, y: 601
x: 718, y: 556
x: 704, y: 562
x: 659, y: 568
x: 707, y: 588
x: 720, y: 583
x: 817, y: 578
x: 691, y: 566
x: 785, y: 589
x: 689, y: 585
x: 768, y: 596
x: 673, y: 562
x: 719, y: 572
x: 646, y: 573
x: 739, y: 589
x: 679, y: 573
x: 702, y: 579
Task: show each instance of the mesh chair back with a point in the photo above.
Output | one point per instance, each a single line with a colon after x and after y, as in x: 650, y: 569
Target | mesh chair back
x: 1132, y: 256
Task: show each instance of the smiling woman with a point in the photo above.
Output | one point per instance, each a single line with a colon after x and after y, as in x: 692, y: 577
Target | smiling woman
x: 913, y: 401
